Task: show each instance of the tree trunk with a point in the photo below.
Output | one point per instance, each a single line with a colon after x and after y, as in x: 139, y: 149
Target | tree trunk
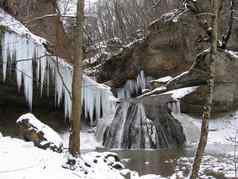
x: 208, y: 107
x: 74, y: 144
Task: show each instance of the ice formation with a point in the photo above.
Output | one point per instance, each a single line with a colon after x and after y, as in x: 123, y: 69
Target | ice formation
x: 177, y: 95
x: 132, y: 87
x: 174, y: 106
x: 128, y: 120
x: 23, y: 49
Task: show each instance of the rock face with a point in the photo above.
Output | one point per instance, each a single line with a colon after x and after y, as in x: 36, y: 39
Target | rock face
x: 226, y: 83
x: 144, y: 124
x: 31, y: 129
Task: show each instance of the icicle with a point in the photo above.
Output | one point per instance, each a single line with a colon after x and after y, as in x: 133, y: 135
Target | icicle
x: 4, y: 55
x: 132, y: 87
x: 97, y: 98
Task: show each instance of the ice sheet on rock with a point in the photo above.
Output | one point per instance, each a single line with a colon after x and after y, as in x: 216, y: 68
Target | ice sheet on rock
x: 177, y: 94
x: 181, y: 92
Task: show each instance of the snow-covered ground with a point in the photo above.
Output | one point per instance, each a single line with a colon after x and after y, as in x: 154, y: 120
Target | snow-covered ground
x: 221, y: 129
x: 88, y: 140
x: 21, y: 160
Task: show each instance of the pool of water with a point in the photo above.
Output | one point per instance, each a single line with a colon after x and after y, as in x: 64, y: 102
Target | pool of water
x: 166, y: 162
x: 161, y: 162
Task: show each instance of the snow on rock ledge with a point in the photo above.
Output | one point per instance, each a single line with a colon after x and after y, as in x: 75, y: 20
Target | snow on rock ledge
x: 31, y: 129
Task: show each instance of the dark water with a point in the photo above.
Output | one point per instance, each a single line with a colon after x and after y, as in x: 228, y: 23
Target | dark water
x: 161, y: 162
x: 165, y: 162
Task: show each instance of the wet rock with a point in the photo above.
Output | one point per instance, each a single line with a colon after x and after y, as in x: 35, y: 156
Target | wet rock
x: 226, y: 83
x: 31, y: 129
x: 118, y: 166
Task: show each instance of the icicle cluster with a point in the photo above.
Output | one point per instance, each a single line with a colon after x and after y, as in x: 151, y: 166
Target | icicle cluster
x: 21, y: 58
x: 132, y: 87
x: 174, y: 106
x: 19, y: 50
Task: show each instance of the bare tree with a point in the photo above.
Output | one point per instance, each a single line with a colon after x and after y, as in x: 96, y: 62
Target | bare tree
x: 74, y: 144
x: 208, y: 107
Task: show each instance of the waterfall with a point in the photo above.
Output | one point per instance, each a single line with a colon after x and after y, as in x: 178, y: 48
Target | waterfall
x: 134, y: 128
x: 132, y: 87
x: 174, y: 106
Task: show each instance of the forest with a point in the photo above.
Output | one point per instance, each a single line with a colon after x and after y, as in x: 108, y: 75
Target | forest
x: 118, y: 89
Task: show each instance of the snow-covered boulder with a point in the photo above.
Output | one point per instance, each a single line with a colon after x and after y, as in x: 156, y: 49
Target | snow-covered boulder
x: 96, y: 165
x: 31, y: 129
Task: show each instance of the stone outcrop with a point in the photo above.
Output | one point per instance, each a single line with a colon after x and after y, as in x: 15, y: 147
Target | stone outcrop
x: 226, y: 83
x: 171, y: 47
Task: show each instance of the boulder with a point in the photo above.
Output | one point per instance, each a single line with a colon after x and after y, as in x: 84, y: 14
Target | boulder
x: 226, y: 83
x: 31, y: 129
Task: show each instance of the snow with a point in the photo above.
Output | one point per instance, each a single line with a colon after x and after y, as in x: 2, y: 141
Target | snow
x: 162, y: 80
x: 181, y: 92
x: 15, y: 26
x: 221, y: 129
x: 32, y: 163
x: 49, y: 134
x: 88, y: 141
x: 21, y: 159
x: 233, y: 54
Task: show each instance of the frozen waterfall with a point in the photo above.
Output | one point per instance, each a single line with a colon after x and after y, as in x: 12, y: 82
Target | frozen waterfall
x: 132, y: 87
x: 25, y: 52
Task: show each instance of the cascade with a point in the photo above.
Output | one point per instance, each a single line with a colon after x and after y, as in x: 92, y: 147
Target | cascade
x: 142, y: 124
x: 174, y: 106
x: 131, y: 129
x: 132, y: 87
x: 20, y: 48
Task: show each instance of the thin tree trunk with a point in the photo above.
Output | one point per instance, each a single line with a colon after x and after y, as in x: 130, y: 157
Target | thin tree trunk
x: 74, y: 144
x: 208, y: 107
